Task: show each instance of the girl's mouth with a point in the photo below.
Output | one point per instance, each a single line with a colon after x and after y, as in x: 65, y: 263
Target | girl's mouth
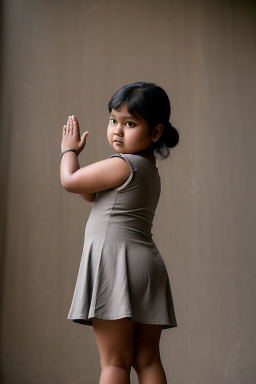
x: 117, y: 141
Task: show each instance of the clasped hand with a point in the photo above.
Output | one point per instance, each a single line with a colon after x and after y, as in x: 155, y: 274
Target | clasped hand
x: 71, y: 136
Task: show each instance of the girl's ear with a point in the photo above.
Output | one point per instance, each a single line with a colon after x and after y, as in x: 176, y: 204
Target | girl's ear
x: 157, y: 132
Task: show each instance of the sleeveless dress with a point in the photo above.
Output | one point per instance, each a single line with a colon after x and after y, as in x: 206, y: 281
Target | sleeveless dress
x: 121, y: 272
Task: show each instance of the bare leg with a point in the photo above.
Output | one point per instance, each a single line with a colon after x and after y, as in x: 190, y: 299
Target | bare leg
x: 147, y: 361
x: 114, y: 339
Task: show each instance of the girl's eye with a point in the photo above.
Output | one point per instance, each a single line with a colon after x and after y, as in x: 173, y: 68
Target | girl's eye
x: 113, y: 121
x: 130, y: 124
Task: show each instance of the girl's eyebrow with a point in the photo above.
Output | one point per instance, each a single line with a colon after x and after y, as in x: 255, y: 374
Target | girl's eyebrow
x: 128, y: 117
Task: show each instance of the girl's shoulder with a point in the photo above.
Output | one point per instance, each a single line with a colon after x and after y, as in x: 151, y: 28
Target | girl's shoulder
x: 136, y: 161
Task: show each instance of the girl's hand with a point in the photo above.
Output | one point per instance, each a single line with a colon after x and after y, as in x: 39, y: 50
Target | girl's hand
x: 71, y: 136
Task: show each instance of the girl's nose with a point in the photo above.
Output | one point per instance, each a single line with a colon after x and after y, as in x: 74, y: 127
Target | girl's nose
x: 118, y: 130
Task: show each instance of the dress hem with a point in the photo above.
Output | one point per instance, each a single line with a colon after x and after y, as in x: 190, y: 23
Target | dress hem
x: 85, y: 321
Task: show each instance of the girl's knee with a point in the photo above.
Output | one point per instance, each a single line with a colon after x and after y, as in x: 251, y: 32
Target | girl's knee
x: 118, y: 361
x: 145, y: 359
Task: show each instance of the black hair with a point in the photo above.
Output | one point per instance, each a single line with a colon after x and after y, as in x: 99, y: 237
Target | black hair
x: 152, y: 103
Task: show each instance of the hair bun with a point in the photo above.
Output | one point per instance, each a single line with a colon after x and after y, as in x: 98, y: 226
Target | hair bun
x: 172, y: 136
x: 169, y: 139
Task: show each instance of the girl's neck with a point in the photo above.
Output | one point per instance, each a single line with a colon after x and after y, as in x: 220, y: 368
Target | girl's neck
x: 148, y: 154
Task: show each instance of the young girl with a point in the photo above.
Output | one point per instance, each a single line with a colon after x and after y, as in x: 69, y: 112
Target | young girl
x: 122, y: 288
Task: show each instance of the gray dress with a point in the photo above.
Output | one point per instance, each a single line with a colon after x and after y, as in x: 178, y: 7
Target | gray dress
x: 122, y: 273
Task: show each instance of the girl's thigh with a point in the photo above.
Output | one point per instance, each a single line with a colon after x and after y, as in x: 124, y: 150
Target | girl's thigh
x: 146, y: 345
x: 115, y: 341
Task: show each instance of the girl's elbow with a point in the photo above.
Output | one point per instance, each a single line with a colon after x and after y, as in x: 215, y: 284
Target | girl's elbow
x: 67, y: 185
x: 71, y: 186
x: 90, y: 197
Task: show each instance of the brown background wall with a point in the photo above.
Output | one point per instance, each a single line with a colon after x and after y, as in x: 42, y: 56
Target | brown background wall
x: 68, y: 57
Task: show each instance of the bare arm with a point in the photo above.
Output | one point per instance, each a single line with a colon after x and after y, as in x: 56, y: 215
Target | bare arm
x: 96, y: 177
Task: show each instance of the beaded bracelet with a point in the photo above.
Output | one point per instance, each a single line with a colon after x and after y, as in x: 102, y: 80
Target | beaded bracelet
x: 68, y: 150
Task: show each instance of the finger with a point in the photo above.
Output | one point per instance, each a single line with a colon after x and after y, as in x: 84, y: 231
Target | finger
x: 83, y: 138
x: 74, y: 119
x: 69, y: 124
x: 85, y: 134
x: 75, y: 125
x: 64, y: 130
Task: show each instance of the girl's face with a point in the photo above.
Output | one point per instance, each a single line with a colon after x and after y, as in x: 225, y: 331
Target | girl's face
x: 127, y: 133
